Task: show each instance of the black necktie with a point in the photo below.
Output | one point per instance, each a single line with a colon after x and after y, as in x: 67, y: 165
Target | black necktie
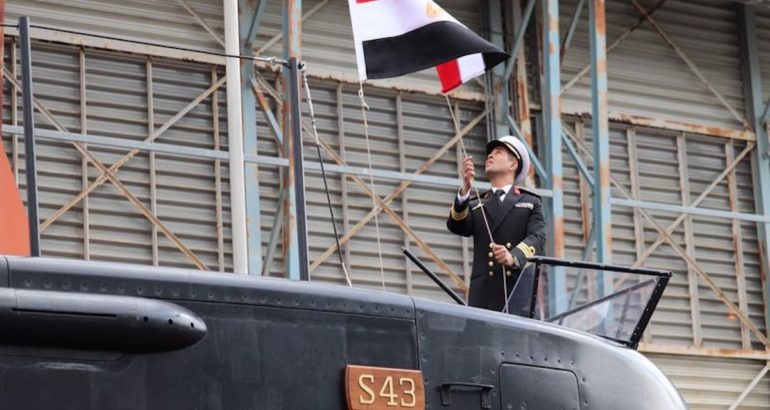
x: 493, y: 204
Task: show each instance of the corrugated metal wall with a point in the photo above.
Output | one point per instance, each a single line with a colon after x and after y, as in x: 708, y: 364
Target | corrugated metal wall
x: 116, y: 98
x: 709, y: 383
x: 645, y: 75
x: 675, y: 168
x: 647, y: 79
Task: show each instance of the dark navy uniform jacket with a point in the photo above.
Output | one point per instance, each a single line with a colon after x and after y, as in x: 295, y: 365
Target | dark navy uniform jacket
x: 518, y: 222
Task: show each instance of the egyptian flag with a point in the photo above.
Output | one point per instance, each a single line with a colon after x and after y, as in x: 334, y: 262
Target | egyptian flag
x: 397, y: 37
x: 14, y: 230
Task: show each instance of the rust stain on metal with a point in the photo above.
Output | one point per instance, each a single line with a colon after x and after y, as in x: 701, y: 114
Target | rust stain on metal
x: 704, y: 351
x: 558, y: 237
x: 604, y: 174
x: 601, y: 26
x: 553, y: 23
x: 682, y: 126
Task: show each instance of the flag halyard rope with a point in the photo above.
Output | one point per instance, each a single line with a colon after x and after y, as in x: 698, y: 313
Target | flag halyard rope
x: 480, y: 205
x: 364, y: 108
x: 323, y: 174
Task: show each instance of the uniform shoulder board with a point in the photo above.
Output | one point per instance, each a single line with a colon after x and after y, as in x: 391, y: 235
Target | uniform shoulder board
x: 529, y: 192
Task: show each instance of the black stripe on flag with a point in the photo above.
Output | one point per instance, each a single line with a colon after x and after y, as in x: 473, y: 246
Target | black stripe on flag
x: 426, y: 47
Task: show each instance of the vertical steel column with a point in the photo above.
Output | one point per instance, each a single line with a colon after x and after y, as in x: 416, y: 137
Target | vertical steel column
x: 551, y: 97
x: 14, y: 107
x: 235, y: 138
x: 84, y: 180
x: 152, y: 159
x: 292, y: 43
x: 250, y: 15
x: 298, y: 165
x: 29, y: 136
x: 405, y: 195
x: 760, y: 158
x: 601, y: 137
x: 217, y: 174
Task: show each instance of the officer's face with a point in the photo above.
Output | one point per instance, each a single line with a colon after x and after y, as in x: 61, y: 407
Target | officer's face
x: 500, y: 160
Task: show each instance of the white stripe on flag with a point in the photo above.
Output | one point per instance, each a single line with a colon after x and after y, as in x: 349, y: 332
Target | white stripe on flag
x: 471, y: 66
x: 389, y: 18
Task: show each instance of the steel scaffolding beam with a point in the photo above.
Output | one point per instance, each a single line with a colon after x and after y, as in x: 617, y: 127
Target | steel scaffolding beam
x: 552, y: 126
x: 601, y: 136
x: 760, y: 157
x: 250, y: 15
x: 295, y: 254
x: 235, y: 138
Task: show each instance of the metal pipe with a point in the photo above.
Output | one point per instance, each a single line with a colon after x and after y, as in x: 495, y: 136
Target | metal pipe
x: 29, y: 136
x: 545, y: 260
x: 552, y: 123
x: 292, y: 40
x: 299, y: 176
x: 571, y: 31
x: 601, y: 138
x: 235, y: 138
x: 191, y: 152
x: 690, y: 210
x: 578, y: 161
x: 249, y: 18
x: 433, y: 276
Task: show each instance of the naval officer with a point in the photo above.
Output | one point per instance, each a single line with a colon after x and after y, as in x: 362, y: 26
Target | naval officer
x: 515, y: 218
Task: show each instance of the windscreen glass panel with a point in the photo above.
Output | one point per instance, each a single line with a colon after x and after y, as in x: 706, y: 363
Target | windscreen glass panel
x: 604, y: 303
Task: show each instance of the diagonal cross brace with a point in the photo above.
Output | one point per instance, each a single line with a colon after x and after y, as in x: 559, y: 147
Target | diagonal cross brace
x: 693, y: 264
x: 118, y: 164
x: 701, y: 197
x: 690, y: 64
x: 612, y: 46
x: 109, y: 175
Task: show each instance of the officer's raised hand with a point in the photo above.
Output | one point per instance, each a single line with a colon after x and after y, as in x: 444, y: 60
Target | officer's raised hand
x: 469, y: 173
x: 503, y: 257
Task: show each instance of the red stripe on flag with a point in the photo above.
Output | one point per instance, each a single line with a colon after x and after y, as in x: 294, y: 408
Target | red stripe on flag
x: 14, y: 231
x: 364, y: 1
x: 449, y: 74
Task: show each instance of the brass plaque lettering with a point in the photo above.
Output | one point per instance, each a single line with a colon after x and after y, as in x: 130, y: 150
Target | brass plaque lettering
x: 381, y: 388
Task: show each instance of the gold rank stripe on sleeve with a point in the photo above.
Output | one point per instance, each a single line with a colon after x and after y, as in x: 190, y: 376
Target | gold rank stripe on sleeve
x: 458, y: 216
x: 529, y: 251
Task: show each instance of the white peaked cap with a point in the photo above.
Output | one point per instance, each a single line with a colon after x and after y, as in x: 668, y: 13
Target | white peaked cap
x: 519, y: 150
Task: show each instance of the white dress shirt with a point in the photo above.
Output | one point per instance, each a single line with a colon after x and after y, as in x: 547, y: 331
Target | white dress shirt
x: 463, y: 198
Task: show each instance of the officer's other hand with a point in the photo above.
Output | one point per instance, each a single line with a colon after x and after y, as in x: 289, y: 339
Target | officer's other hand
x: 469, y: 173
x: 502, y: 256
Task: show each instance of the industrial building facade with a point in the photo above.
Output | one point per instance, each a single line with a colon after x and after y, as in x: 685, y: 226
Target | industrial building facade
x: 686, y: 142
